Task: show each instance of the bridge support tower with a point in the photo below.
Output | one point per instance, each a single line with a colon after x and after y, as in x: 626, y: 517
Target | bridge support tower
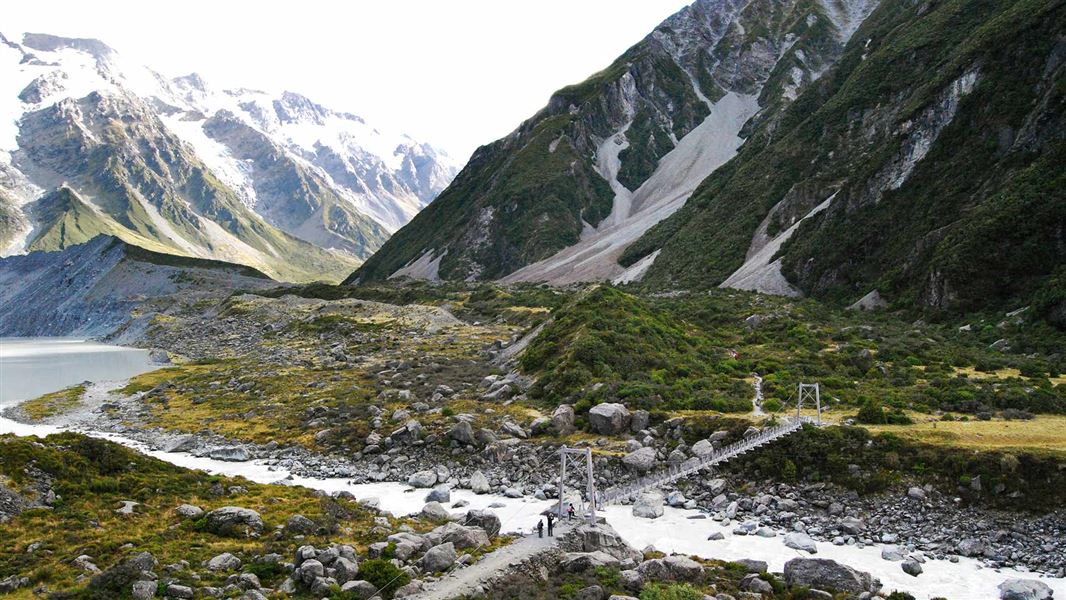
x: 574, y: 457
x: 811, y: 393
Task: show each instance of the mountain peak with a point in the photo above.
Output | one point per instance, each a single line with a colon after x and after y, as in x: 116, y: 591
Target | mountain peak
x: 50, y: 43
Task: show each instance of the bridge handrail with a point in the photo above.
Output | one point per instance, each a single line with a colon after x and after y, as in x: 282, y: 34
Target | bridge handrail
x: 716, y: 456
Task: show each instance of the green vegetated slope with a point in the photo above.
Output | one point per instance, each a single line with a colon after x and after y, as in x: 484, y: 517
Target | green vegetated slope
x: 978, y: 221
x: 698, y: 351
x: 528, y: 195
x: 149, y: 189
x: 515, y: 202
x: 91, y: 478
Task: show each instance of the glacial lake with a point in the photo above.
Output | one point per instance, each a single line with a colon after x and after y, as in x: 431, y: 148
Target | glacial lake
x: 30, y: 367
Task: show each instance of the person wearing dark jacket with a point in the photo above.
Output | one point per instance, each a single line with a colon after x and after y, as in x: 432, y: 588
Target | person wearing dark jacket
x: 551, y: 524
x: 540, y: 528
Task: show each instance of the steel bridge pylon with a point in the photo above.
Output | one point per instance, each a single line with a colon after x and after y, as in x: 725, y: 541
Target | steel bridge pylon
x: 812, y: 393
x: 574, y: 456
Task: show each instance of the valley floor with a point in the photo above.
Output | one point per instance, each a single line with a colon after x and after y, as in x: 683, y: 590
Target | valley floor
x: 367, y: 385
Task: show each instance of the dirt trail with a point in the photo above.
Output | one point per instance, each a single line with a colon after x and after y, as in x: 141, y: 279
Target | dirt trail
x: 470, y: 579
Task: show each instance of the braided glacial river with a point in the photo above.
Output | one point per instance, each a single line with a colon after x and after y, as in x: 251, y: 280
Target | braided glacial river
x: 31, y: 367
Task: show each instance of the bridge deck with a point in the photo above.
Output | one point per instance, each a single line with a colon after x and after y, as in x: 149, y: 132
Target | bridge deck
x: 620, y: 493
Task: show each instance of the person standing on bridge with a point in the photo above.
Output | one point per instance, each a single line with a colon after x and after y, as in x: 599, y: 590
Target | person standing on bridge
x: 570, y: 512
x: 540, y: 528
x: 551, y: 524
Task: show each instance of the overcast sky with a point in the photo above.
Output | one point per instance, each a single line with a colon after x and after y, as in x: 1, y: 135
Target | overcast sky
x: 456, y: 73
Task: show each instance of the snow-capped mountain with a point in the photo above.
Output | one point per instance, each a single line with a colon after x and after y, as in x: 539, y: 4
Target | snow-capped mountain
x: 274, y: 181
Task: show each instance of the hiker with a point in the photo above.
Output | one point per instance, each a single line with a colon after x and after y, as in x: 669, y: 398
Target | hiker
x: 540, y: 528
x: 570, y: 512
x: 551, y: 524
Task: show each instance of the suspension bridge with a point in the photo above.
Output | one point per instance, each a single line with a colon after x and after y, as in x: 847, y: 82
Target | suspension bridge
x: 596, y: 500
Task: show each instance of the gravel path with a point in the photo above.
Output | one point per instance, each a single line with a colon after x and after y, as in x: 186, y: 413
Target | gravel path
x: 470, y: 579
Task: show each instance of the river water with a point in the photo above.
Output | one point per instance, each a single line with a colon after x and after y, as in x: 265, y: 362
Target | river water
x: 31, y: 367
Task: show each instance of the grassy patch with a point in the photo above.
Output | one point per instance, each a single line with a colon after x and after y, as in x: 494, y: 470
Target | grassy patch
x: 1043, y: 435
x: 54, y: 404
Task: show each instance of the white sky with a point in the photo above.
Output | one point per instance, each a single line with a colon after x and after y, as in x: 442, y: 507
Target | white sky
x: 457, y: 73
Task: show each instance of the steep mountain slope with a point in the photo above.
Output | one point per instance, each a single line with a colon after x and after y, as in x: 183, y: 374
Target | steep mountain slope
x: 926, y: 165
x: 282, y: 184
x: 612, y: 156
x: 92, y: 288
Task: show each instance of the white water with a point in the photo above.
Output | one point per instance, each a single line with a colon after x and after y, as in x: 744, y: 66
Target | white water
x: 673, y: 532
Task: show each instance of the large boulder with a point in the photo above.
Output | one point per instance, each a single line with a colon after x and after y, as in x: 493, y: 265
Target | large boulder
x: 649, y: 505
x: 434, y: 511
x: 234, y: 520
x: 479, y: 484
x: 441, y: 493
x: 422, y: 479
x: 824, y: 573
x: 188, y: 511
x: 462, y: 536
x: 640, y: 460
x: 671, y: 568
x: 971, y: 547
x: 563, y: 419
x: 639, y: 421
x: 609, y: 418
x: 579, y: 562
x: 485, y: 519
x: 438, y: 558
x: 702, y: 448
x: 600, y: 536
x: 363, y: 590
x: 463, y: 433
x: 1024, y: 589
x: 801, y: 541
x: 299, y: 525
x: 310, y: 570
x: 224, y: 562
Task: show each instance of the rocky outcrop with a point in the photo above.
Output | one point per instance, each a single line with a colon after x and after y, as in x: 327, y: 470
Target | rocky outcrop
x: 823, y: 573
